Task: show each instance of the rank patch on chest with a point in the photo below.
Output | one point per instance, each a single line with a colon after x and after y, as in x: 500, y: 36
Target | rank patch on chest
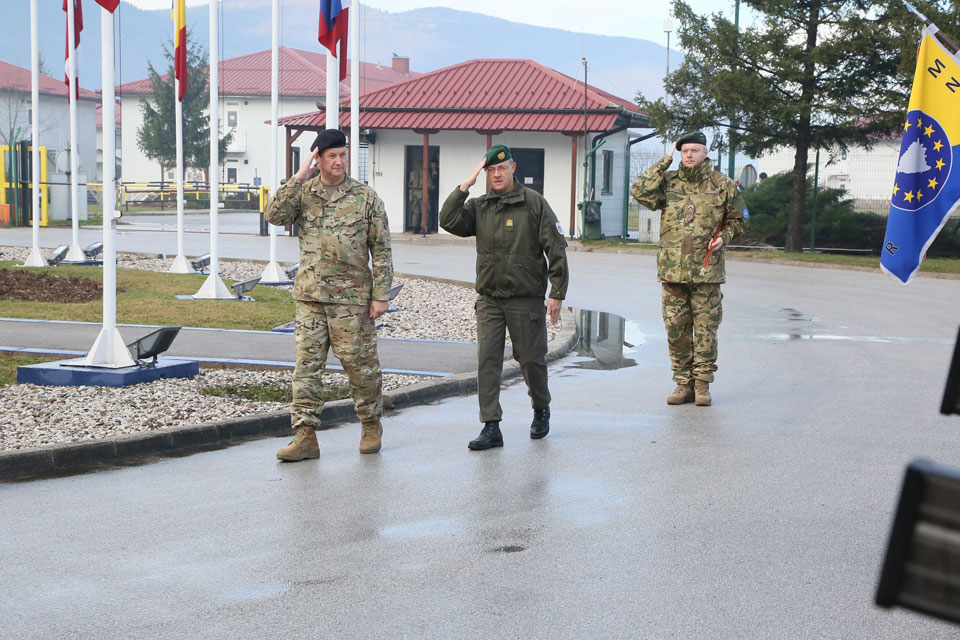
x: 690, y: 211
x: 509, y: 223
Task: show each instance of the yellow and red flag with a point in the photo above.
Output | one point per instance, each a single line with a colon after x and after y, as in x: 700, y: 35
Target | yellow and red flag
x: 180, y: 45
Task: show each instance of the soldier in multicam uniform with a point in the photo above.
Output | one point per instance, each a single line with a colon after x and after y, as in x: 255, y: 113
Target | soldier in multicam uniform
x: 700, y: 209
x: 342, y: 225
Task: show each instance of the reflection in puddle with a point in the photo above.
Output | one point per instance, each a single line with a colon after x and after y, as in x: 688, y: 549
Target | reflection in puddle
x: 605, y: 340
x: 787, y: 337
x: 421, y: 528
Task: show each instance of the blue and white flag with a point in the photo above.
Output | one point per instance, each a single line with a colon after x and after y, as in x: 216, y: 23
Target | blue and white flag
x: 926, y: 189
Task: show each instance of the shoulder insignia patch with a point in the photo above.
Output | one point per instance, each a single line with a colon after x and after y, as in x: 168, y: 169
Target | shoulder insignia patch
x: 559, y: 229
x: 746, y: 214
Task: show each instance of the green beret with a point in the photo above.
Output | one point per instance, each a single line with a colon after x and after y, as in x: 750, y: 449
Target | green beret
x: 497, y: 154
x: 693, y: 136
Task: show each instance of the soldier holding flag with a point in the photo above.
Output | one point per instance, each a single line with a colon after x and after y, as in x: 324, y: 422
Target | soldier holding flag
x: 702, y: 211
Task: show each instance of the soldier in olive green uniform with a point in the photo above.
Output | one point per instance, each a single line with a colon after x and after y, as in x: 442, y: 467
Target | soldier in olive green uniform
x: 695, y: 202
x: 342, y: 226
x: 515, y: 229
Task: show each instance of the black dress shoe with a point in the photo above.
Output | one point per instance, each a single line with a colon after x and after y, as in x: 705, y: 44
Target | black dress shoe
x: 541, y: 423
x: 489, y: 437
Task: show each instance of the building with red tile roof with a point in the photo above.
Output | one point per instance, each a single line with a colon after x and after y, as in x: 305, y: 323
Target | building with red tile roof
x: 458, y: 112
x: 245, y: 107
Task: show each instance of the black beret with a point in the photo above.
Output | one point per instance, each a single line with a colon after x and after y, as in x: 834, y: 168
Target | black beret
x: 693, y: 136
x: 328, y: 139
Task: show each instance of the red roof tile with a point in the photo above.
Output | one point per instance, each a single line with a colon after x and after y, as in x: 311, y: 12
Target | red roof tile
x: 14, y: 78
x: 491, y: 95
x: 302, y: 73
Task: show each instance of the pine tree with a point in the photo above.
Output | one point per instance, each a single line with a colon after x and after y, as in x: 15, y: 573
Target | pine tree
x: 156, y: 137
x: 808, y: 74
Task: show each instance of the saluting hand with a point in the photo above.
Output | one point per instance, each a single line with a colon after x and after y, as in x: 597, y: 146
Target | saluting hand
x: 306, y: 169
x: 472, y: 179
x: 673, y: 149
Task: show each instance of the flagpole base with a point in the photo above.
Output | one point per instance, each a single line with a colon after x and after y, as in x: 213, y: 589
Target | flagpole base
x: 214, y: 289
x: 180, y: 265
x: 109, y: 351
x: 35, y: 259
x: 272, y: 274
x: 75, y: 254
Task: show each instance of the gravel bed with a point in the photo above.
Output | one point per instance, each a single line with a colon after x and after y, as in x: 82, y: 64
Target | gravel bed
x: 31, y: 416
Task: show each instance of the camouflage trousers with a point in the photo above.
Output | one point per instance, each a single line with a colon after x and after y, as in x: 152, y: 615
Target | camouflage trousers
x: 348, y: 329
x: 692, y: 313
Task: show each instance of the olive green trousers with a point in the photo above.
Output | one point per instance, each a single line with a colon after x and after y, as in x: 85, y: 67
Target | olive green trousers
x: 526, y: 319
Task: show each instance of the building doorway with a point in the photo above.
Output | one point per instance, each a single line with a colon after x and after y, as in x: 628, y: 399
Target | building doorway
x: 416, y: 211
x: 529, y: 168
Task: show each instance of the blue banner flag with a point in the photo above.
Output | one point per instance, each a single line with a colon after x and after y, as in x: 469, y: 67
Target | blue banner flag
x: 926, y: 189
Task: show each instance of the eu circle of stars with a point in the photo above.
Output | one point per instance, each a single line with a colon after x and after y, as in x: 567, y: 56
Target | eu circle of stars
x: 911, y: 191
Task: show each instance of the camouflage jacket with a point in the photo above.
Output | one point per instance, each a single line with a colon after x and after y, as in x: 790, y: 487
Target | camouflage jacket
x: 514, y: 232
x: 693, y: 202
x: 337, y: 240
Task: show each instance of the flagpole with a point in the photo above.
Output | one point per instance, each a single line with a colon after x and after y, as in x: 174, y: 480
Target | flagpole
x: 109, y: 350
x: 75, y: 254
x: 35, y: 259
x: 271, y: 274
x: 353, y: 26
x: 213, y: 287
x: 333, y: 91
x: 180, y: 262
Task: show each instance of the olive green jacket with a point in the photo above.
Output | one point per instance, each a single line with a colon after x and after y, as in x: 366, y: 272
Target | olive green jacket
x: 337, y: 240
x: 694, y: 203
x: 520, y: 243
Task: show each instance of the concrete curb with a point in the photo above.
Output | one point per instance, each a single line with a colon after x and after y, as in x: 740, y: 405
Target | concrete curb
x: 138, y: 448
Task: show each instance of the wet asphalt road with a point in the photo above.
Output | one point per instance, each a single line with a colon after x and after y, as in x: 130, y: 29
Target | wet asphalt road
x: 764, y: 516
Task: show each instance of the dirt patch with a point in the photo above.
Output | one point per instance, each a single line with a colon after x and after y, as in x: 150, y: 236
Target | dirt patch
x: 46, y: 287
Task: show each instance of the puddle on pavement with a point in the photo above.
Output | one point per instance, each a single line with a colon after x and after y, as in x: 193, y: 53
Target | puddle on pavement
x: 606, y: 340
x: 421, y: 528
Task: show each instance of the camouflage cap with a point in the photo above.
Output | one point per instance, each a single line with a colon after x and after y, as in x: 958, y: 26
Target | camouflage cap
x: 693, y: 136
x: 329, y: 138
x: 497, y: 154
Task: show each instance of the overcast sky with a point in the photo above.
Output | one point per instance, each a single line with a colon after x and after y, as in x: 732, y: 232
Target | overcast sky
x: 604, y: 17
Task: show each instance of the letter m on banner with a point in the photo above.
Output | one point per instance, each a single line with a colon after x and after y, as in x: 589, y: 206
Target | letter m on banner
x: 333, y: 29
x: 926, y: 189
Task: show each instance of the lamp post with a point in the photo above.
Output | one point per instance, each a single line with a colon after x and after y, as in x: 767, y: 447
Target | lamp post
x: 667, y: 28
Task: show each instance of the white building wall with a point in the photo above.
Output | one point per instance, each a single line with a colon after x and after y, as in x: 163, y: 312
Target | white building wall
x: 55, y: 127
x: 249, y: 153
x: 460, y: 152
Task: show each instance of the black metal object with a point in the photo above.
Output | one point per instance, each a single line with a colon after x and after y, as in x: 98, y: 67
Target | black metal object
x: 921, y: 570
x: 951, y: 395
x: 153, y: 344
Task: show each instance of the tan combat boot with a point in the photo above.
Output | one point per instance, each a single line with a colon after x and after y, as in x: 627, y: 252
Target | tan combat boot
x: 702, y: 391
x: 370, y: 440
x: 681, y: 395
x: 303, y: 446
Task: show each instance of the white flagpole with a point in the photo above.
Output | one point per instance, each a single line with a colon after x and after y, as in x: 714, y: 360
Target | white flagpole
x: 333, y: 91
x: 35, y: 259
x: 353, y: 28
x: 180, y: 262
x: 213, y: 287
x: 75, y: 254
x: 109, y: 350
x: 271, y: 274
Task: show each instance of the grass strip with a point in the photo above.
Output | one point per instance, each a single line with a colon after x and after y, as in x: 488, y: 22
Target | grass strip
x: 149, y: 297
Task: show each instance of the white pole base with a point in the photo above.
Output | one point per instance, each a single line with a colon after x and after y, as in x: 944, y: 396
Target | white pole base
x: 109, y: 351
x: 180, y: 265
x: 272, y: 274
x: 214, y: 289
x: 35, y: 259
x: 75, y: 254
